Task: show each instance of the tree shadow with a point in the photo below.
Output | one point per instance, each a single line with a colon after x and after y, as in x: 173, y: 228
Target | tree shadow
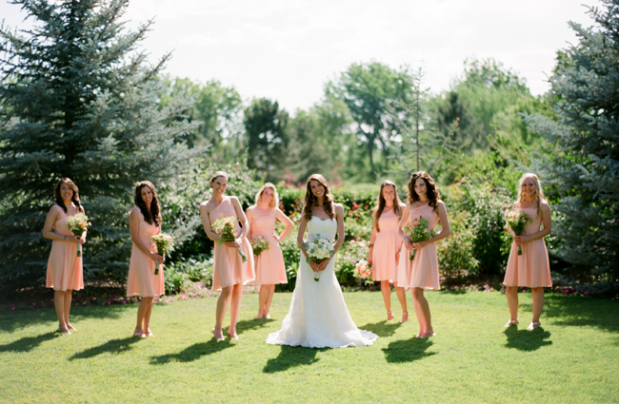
x: 193, y: 352
x: 573, y: 311
x: 382, y: 328
x: 525, y: 340
x: 409, y: 350
x: 114, y: 346
x: 290, y: 357
x: 27, y: 344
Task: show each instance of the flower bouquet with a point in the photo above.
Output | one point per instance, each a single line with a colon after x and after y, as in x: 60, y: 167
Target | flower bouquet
x: 318, y: 249
x: 363, y: 270
x: 418, y: 230
x: 225, y: 229
x: 78, y: 224
x: 163, y: 243
x: 259, y: 244
x: 517, y: 220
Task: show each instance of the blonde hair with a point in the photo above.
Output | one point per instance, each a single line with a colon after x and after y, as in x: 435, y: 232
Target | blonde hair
x: 539, y: 193
x: 274, y: 202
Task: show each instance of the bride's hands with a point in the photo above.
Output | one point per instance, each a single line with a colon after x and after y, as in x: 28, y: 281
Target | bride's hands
x: 314, y: 266
x: 323, y: 265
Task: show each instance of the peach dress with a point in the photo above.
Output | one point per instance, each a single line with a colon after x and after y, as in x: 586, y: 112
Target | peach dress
x: 386, y: 245
x: 228, y: 268
x: 64, y: 267
x: 142, y: 279
x: 422, y: 272
x: 532, y: 268
x: 270, y: 268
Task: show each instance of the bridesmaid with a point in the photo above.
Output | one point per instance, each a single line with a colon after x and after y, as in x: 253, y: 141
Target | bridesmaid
x: 64, y: 267
x: 144, y: 222
x: 270, y: 268
x: 532, y: 268
x: 230, y: 273
x: 422, y: 273
x: 385, y: 245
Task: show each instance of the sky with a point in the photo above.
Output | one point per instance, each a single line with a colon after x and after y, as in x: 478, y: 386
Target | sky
x: 287, y: 50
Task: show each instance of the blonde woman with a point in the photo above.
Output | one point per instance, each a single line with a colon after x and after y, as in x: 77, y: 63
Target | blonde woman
x: 270, y: 268
x: 532, y: 268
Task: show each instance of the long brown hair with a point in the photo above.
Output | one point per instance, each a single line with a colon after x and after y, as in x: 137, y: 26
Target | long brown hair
x: 380, y: 204
x: 432, y: 193
x: 153, y: 214
x: 539, y: 194
x: 75, y: 198
x: 311, y: 200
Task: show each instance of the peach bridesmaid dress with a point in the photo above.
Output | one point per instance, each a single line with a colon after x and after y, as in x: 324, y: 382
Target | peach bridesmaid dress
x: 229, y: 269
x: 270, y: 268
x: 532, y: 268
x: 422, y: 272
x: 386, y: 245
x: 64, y: 267
x: 142, y: 280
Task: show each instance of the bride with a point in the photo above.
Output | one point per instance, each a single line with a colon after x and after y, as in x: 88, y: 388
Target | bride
x: 318, y: 317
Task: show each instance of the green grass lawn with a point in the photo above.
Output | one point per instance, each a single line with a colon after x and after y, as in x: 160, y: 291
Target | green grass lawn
x: 573, y: 359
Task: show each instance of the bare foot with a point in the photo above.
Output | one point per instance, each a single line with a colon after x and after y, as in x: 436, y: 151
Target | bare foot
x: 70, y: 327
x: 138, y: 333
x: 389, y: 315
x: 427, y: 334
x: 218, y: 335
x: 404, y: 317
x: 64, y: 330
x: 260, y: 315
x: 233, y: 334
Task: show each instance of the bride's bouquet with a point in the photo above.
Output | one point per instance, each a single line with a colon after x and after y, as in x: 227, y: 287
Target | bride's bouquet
x: 517, y: 220
x: 163, y: 242
x: 418, y: 230
x: 318, y: 249
x: 78, y: 224
x: 225, y: 229
x: 259, y: 244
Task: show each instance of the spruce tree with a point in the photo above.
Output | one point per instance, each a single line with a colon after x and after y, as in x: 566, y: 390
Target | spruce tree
x: 583, y: 167
x: 79, y: 100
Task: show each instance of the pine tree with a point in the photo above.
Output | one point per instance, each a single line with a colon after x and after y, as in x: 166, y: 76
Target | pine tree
x: 584, y: 167
x: 79, y: 100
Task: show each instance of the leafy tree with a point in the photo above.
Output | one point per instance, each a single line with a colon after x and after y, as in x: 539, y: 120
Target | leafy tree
x: 266, y: 137
x: 79, y: 101
x: 584, y: 169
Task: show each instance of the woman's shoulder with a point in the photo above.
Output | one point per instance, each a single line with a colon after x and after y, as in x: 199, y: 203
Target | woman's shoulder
x: 136, y: 212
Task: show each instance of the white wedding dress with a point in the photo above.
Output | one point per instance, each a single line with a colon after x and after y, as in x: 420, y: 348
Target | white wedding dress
x: 318, y: 317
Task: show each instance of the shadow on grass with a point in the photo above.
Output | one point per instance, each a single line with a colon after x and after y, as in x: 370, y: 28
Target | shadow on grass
x: 382, y: 328
x: 408, y: 350
x: 290, y: 357
x: 27, y: 344
x: 114, y: 346
x: 525, y: 340
x: 574, y: 311
x: 253, y: 324
x: 193, y: 352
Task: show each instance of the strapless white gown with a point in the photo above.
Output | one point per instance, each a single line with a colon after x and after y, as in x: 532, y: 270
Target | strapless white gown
x: 318, y: 316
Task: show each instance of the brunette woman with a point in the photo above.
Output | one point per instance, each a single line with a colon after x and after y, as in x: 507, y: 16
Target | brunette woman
x: 385, y: 245
x: 421, y: 273
x: 532, y: 268
x: 64, y: 267
x: 145, y: 222
x: 270, y: 267
x: 230, y: 273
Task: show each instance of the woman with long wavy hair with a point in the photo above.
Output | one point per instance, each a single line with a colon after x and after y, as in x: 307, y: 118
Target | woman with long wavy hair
x: 270, y: 267
x: 318, y: 317
x: 230, y: 273
x: 422, y: 273
x: 64, y: 267
x: 532, y: 268
x: 145, y: 222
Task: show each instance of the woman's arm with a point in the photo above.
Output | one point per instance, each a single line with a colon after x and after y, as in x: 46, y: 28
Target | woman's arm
x: 245, y: 230
x: 206, y: 222
x: 250, y: 220
x: 546, y: 220
x: 445, y: 229
x: 279, y: 215
x: 300, y: 234
x: 403, y: 222
x: 134, y: 229
x: 339, y: 216
x: 48, y: 228
x: 372, y: 239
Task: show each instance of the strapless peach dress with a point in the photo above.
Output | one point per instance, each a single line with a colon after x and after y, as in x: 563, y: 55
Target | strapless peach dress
x: 64, y: 267
x: 270, y: 267
x: 229, y: 269
x: 422, y: 272
x: 142, y: 280
x: 386, y: 245
x: 532, y: 268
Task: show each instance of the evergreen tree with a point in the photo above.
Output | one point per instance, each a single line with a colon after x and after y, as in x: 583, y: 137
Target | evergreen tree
x: 79, y: 100
x: 584, y: 168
